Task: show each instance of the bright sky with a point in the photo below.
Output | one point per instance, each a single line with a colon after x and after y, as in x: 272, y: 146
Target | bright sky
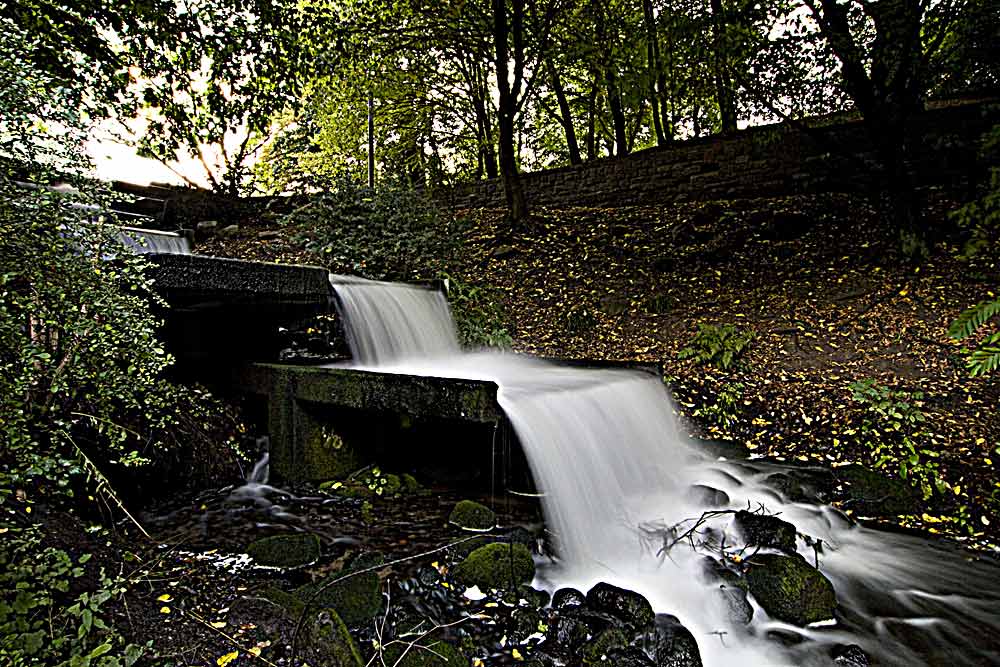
x: 118, y: 162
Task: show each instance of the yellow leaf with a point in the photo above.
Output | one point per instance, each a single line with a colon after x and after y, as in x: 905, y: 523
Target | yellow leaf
x: 255, y: 651
x: 165, y: 597
x: 164, y: 610
x: 517, y: 654
x: 227, y: 658
x: 219, y: 624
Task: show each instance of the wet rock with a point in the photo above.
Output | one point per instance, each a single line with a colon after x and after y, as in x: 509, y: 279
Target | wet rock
x: 410, y: 484
x: 327, y: 642
x: 512, y: 536
x: 790, y: 589
x: 534, y: 597
x: 870, y: 493
x: 523, y: 623
x: 595, y: 651
x: 627, y: 606
x: 285, y: 550
x: 850, y: 655
x: 629, y: 656
x: 802, y: 486
x: 353, y: 592
x: 496, y: 565
x: 431, y: 654
x: 567, y: 598
x: 675, y: 645
x: 229, y: 231
x: 206, y: 227
x: 734, y: 601
x: 569, y: 632
x: 765, y: 531
x: 269, y: 234
x: 470, y: 515
x: 708, y: 496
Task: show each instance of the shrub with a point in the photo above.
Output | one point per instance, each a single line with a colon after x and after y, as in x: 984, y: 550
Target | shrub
x: 721, y: 346
x: 479, y: 318
x: 391, y: 233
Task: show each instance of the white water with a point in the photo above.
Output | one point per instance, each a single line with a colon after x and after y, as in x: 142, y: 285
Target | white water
x: 605, y: 448
x: 153, y: 241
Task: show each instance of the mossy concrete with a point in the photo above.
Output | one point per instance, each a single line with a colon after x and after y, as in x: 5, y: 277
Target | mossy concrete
x: 304, y: 404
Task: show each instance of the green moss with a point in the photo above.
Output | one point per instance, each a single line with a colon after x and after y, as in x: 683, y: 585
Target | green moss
x: 392, y: 485
x: 437, y: 654
x: 329, y: 642
x: 325, y: 455
x: 470, y: 515
x: 596, y: 649
x: 356, y: 599
x: 285, y: 550
x: 496, y: 565
x: 290, y: 604
x: 789, y: 589
x: 410, y: 484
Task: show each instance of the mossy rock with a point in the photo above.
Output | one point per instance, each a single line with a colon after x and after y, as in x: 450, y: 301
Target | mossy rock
x: 357, y: 599
x: 410, y: 484
x: 496, y: 565
x: 328, y: 642
x: 470, y: 515
x: 437, y: 654
x: 872, y: 493
x: 790, y: 589
x: 285, y: 550
x: 595, y: 651
x: 629, y: 607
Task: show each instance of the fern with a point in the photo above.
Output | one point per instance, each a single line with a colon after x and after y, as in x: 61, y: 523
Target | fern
x: 970, y: 320
x: 985, y: 358
x: 719, y: 346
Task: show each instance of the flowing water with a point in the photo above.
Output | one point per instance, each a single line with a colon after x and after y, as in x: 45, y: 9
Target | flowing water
x: 153, y: 241
x: 616, y: 473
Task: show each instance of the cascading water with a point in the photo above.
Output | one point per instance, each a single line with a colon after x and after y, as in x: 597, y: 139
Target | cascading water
x: 152, y: 241
x: 605, y: 448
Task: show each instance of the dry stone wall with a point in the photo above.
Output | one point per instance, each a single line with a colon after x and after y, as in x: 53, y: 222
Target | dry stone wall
x: 761, y: 161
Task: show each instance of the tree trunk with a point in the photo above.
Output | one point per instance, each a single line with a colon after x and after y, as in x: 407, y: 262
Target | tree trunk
x: 617, y: 116
x: 566, y: 117
x: 725, y: 97
x: 371, y: 140
x: 517, y: 205
x: 654, y: 69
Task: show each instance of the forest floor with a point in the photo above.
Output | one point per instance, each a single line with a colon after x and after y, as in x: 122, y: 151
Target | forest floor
x: 817, y: 281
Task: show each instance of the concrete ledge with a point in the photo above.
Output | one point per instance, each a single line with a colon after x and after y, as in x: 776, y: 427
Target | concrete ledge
x: 195, y: 281
x: 324, y: 423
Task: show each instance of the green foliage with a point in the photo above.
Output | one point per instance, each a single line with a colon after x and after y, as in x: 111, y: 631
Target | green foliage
x: 981, y: 216
x: 44, y: 619
x: 478, y: 314
x: 721, y: 346
x: 389, y: 233
x: 724, y: 413
x: 893, y: 432
x: 985, y: 357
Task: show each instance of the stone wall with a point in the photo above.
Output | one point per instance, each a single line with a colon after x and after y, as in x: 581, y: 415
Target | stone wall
x: 761, y: 161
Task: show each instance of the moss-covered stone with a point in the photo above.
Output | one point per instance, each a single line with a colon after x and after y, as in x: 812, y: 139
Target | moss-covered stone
x: 470, y: 515
x: 871, y: 493
x: 791, y: 590
x: 410, y: 484
x: 285, y: 550
x: 627, y: 606
x: 596, y: 650
x: 496, y: 565
x: 436, y: 654
x: 329, y: 643
x: 356, y: 598
x: 325, y: 455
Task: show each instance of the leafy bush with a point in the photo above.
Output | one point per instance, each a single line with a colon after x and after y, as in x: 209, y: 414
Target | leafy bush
x: 390, y: 233
x: 478, y: 315
x: 721, y: 346
x: 985, y: 357
x: 724, y: 413
x: 893, y: 431
x: 981, y: 216
x: 43, y: 620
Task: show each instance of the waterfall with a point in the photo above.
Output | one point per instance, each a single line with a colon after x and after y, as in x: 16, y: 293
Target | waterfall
x: 153, y: 241
x: 607, y: 452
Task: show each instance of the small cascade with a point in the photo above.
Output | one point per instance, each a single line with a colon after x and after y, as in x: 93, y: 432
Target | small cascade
x: 154, y: 242
x: 606, y: 450
x: 390, y: 322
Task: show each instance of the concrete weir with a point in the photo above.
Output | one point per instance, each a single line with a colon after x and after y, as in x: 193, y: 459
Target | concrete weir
x: 228, y: 310
x: 326, y: 422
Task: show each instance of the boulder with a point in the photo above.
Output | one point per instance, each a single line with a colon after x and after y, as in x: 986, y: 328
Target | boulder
x: 496, y: 565
x: 470, y: 515
x: 874, y: 494
x: 708, y: 496
x: 629, y: 656
x: 356, y: 596
x: 595, y: 651
x: 327, y: 642
x: 790, y: 589
x: 850, y: 655
x: 285, y: 550
x: 734, y: 601
x: 765, y: 531
x: 566, y: 598
x: 229, y: 231
x: 627, y: 606
x: 675, y: 645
